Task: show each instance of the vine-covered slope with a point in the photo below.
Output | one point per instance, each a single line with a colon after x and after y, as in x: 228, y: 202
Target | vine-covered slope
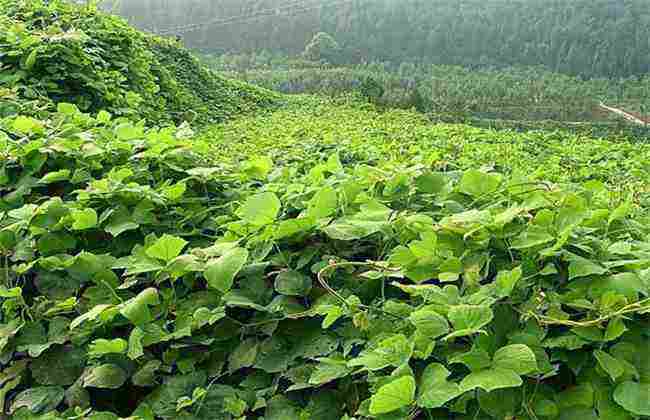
x: 55, y: 51
x: 320, y: 263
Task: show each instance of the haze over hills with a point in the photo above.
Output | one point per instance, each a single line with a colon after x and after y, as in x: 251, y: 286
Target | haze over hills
x: 586, y: 37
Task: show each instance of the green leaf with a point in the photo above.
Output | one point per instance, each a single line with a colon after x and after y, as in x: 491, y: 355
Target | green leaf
x: 435, y: 390
x: 120, y: 222
x: 67, y: 109
x: 146, y: 375
x: 546, y: 408
x: 56, y: 176
x: 532, y: 237
x: 221, y: 273
x: 516, y: 357
x: 581, y: 267
x: 612, y: 366
x: 468, y: 319
x: 163, y: 399
x: 292, y: 283
x: 60, y: 365
x: 30, y: 60
x: 261, y: 209
x: 393, y: 351
x: 166, y: 248
x: 323, y: 204
x: 477, y: 183
x: 56, y: 243
x: 328, y: 370
x: 39, y: 400
x: 281, y: 408
x: 506, y: 281
x: 634, y: 397
x: 127, y: 131
x: 137, y: 310
x: 244, y: 355
x: 576, y: 396
x: 393, y: 396
x: 102, y: 346
x: 615, y: 328
x: 108, y: 376
x: 431, y: 183
x: 104, y: 117
x: 136, y: 348
x: 27, y: 125
x: 84, y: 219
x: 258, y: 167
x: 429, y: 323
x: 491, y: 379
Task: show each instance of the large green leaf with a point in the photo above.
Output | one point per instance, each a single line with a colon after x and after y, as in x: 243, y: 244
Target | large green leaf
x: 292, y: 283
x: 634, y: 397
x: 84, y: 219
x: 429, y: 323
x: 435, y: 390
x: 323, y: 204
x: 393, y: 351
x: 38, y: 400
x: 506, y: 281
x: 166, y: 248
x: 516, y: 357
x: 137, y: 310
x: 490, y: 380
x: 581, y: 267
x: 261, y: 209
x: 221, y: 272
x: 60, y: 365
x: 468, y: 319
x: 477, y: 183
x: 393, y: 396
x: 107, y: 376
x: 611, y: 365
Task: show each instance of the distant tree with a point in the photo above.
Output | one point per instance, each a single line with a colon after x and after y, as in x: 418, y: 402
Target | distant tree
x: 322, y: 47
x: 371, y: 89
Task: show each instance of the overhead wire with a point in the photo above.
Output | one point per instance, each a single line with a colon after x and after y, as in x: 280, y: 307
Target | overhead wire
x: 292, y: 7
x: 302, y: 6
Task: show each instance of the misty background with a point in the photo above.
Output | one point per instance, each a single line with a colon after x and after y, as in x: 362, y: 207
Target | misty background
x: 580, y: 37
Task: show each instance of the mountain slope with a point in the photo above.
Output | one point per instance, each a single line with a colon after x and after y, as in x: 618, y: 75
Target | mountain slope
x: 55, y: 51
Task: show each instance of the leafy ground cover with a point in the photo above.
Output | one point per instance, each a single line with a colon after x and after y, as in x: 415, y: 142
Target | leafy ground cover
x: 321, y: 262
x: 517, y: 93
x: 361, y: 132
x: 55, y: 51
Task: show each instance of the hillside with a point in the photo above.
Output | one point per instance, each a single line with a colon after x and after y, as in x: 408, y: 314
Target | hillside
x: 585, y: 37
x: 53, y: 51
x: 321, y: 262
x: 329, y: 260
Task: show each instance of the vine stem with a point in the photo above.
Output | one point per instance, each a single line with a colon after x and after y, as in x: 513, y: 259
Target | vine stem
x: 334, y: 265
x: 629, y: 309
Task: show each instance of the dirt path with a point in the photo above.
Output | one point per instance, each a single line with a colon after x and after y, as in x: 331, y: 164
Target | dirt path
x: 628, y: 116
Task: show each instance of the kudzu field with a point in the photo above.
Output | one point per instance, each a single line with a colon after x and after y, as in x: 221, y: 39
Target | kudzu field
x: 300, y: 257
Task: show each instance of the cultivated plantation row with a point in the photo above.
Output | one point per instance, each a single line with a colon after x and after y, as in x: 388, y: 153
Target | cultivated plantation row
x: 299, y: 257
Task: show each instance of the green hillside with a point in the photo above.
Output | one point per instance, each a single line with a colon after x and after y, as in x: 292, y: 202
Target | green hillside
x: 53, y: 51
x: 329, y: 260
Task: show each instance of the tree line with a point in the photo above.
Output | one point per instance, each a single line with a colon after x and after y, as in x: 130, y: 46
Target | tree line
x: 581, y: 37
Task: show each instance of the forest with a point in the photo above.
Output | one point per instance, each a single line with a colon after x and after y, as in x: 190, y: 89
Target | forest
x: 581, y: 37
x: 195, y: 232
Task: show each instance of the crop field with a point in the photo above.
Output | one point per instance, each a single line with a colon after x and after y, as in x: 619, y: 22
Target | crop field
x: 455, y: 93
x: 179, y: 245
